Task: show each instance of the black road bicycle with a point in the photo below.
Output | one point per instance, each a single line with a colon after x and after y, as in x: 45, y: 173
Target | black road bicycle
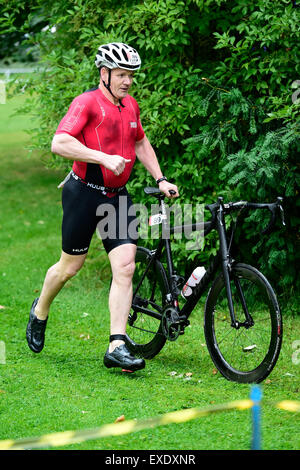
x: 242, y: 319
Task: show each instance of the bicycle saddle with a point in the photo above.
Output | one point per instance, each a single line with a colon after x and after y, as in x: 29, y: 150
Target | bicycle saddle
x: 152, y: 191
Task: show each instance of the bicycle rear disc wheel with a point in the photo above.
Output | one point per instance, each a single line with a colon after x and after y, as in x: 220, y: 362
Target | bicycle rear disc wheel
x: 247, y: 354
x: 144, y: 332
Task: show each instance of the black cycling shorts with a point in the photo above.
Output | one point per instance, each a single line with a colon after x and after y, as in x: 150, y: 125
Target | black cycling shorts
x: 86, y: 210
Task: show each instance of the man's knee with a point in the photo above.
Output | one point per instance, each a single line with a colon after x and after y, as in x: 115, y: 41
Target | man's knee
x: 66, y: 269
x: 124, y: 269
x: 122, y: 261
x: 69, y: 271
x: 128, y: 268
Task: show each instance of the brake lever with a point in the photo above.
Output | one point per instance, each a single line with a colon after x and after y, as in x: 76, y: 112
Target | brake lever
x: 270, y: 225
x: 281, y: 211
x: 273, y: 210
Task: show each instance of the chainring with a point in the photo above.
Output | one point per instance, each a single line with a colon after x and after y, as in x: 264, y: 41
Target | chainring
x: 171, y: 325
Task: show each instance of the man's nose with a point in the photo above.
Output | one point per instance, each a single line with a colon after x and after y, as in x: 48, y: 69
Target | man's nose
x: 128, y: 80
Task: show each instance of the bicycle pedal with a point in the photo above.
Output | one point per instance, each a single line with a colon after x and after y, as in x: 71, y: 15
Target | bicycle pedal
x: 184, y: 321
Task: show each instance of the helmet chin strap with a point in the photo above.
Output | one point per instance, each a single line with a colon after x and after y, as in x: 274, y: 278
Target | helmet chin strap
x: 107, y: 86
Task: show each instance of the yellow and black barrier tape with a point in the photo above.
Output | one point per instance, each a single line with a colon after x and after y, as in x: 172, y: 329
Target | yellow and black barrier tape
x: 289, y: 405
x: 117, y: 429
x: 127, y: 427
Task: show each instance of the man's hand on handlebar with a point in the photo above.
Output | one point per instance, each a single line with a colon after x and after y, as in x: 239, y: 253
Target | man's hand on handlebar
x: 169, y: 189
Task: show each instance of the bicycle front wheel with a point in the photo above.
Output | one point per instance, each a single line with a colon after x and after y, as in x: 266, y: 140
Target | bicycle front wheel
x: 150, y: 286
x: 246, y: 354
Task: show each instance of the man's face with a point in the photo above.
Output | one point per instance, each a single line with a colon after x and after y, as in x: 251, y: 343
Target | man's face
x: 121, y: 81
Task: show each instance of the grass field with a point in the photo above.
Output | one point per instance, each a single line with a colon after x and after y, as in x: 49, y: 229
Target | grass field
x: 66, y: 387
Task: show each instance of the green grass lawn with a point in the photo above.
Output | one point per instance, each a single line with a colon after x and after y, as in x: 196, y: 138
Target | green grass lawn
x: 66, y: 387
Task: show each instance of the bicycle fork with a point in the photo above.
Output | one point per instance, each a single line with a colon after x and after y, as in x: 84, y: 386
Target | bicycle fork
x: 226, y: 268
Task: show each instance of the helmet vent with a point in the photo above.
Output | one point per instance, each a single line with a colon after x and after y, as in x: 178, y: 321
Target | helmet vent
x: 115, y: 53
x: 124, y: 54
x: 108, y: 58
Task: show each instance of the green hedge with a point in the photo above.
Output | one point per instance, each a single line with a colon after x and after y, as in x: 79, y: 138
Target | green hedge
x: 215, y: 92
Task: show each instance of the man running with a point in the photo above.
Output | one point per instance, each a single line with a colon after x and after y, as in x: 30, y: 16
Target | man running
x: 102, y: 134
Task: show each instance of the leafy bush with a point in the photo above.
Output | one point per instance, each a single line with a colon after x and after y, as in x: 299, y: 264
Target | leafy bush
x: 215, y: 94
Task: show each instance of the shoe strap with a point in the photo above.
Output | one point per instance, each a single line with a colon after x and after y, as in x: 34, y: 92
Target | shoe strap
x: 115, y: 337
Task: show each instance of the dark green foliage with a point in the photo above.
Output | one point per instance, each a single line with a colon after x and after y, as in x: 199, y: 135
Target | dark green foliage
x: 255, y: 161
x: 215, y: 92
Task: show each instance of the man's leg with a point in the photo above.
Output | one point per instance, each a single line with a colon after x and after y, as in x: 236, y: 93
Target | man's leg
x: 122, y: 260
x: 55, y: 279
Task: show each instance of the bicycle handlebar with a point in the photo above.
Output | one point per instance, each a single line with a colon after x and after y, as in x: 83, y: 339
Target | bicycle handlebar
x: 241, y: 205
x: 229, y: 207
x: 274, y: 208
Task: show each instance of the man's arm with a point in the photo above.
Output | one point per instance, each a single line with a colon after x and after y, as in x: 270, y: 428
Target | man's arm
x: 69, y: 147
x: 147, y: 157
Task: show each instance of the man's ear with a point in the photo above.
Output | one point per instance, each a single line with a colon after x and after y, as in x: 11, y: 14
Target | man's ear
x: 104, y: 74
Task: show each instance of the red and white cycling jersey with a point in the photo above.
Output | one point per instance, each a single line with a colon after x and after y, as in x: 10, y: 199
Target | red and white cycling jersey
x: 100, y: 125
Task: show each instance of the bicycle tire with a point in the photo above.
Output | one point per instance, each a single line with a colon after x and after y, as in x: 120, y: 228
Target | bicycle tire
x: 244, y: 355
x: 144, y: 336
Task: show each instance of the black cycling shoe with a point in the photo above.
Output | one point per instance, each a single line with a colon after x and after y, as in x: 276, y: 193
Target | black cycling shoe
x: 35, y: 331
x: 122, y: 357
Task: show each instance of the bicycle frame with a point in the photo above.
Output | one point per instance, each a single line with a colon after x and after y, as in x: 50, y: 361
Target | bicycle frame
x: 222, y: 258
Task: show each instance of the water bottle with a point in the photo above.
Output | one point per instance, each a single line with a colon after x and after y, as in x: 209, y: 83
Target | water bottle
x: 192, y: 281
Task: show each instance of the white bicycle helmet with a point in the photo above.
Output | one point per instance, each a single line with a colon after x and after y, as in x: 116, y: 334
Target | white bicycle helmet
x: 117, y: 55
